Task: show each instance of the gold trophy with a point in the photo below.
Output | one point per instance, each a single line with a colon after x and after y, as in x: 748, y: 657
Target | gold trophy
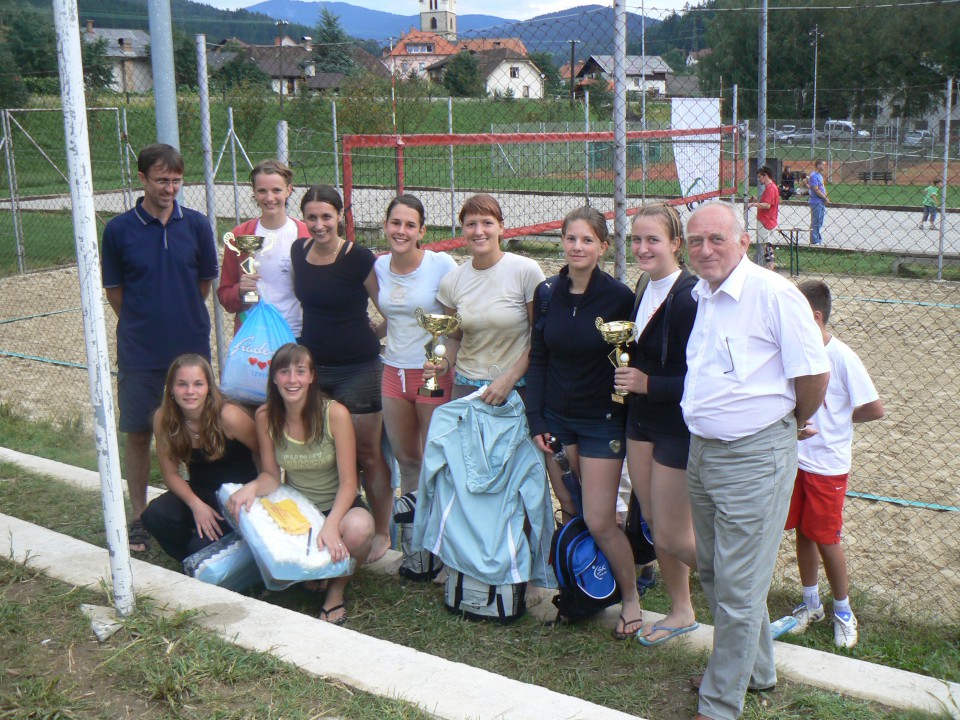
x: 436, y: 325
x: 617, y: 333
x: 249, y: 244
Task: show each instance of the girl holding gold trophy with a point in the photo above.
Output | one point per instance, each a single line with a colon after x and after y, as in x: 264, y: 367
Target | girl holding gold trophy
x: 493, y: 294
x: 408, y: 278
x: 657, y: 437
x: 272, y: 185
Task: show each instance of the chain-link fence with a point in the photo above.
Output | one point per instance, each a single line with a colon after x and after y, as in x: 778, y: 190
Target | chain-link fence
x: 571, y: 116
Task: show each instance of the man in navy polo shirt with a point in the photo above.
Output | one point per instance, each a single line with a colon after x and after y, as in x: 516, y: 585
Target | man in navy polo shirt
x: 159, y: 261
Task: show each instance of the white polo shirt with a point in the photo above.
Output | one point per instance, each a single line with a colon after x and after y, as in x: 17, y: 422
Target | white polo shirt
x: 750, y: 339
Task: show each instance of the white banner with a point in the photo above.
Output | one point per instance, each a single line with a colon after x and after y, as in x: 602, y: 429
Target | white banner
x: 697, y: 156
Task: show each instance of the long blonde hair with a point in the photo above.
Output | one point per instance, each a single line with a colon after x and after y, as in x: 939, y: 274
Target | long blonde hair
x: 173, y: 425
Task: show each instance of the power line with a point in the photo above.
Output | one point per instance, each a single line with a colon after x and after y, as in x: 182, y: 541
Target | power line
x: 756, y: 8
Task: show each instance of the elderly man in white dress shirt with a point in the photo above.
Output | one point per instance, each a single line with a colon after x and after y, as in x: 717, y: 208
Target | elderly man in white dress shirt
x: 756, y: 370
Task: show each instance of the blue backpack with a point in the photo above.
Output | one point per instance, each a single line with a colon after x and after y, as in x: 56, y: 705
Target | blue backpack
x: 583, y: 572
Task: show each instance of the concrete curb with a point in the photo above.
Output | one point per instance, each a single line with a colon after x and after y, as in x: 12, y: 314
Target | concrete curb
x: 387, y: 669
x: 445, y: 689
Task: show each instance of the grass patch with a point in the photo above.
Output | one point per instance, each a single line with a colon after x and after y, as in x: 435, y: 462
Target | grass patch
x: 156, y: 666
x: 579, y: 660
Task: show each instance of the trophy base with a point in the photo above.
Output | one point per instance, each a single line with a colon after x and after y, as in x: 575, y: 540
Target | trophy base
x: 619, y: 399
x: 430, y: 392
x: 250, y: 298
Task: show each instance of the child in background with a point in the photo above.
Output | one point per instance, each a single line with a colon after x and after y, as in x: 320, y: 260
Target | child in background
x: 930, y: 203
x: 816, y: 509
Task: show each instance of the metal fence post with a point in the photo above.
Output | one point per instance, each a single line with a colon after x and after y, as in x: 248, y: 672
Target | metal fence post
x: 336, y: 149
x: 14, y: 191
x: 206, y: 144
x: 620, y: 138
x: 586, y: 148
x: 91, y: 292
x: 164, y: 74
x: 128, y: 188
x: 233, y: 165
x: 283, y: 142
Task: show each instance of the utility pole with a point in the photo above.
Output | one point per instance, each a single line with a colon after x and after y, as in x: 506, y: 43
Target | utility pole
x: 573, y: 59
x: 816, y: 51
x: 280, y: 24
x: 762, y: 89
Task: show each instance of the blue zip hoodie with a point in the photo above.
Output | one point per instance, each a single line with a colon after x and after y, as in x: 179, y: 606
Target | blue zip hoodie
x: 481, y: 478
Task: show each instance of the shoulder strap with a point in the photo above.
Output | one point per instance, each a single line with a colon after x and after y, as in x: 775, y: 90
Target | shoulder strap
x: 642, y: 283
x: 546, y: 294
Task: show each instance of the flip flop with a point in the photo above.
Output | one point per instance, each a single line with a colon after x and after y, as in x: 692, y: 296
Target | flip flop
x: 325, y: 614
x: 672, y: 632
x: 625, y: 624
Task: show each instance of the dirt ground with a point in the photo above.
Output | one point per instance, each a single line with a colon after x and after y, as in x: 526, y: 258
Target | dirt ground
x: 905, y: 330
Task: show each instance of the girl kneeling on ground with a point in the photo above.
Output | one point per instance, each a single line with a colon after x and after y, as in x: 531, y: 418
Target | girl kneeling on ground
x: 218, y: 442
x: 311, y: 438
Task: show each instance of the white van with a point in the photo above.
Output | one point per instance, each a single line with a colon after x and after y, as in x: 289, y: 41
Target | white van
x: 843, y: 130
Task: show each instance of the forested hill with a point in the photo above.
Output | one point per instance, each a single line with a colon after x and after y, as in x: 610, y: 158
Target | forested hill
x: 188, y: 17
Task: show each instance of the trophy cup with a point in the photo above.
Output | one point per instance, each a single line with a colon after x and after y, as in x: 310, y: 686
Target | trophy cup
x: 249, y: 244
x: 436, y: 325
x: 617, y: 333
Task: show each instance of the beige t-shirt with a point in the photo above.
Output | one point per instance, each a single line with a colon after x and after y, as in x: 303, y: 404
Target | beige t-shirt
x: 493, y: 307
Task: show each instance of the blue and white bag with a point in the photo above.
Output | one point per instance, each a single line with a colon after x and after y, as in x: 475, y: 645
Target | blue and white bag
x: 284, y: 559
x: 244, y: 374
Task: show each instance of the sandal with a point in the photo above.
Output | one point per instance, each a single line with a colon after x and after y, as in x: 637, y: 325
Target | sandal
x: 137, y: 534
x: 325, y: 614
x: 624, y: 623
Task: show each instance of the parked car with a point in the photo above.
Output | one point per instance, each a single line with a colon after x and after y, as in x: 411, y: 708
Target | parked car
x: 780, y: 134
x: 843, y: 130
x: 918, y: 139
x: 803, y: 135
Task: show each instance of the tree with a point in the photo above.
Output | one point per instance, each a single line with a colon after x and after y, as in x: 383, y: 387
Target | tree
x: 184, y: 60
x: 553, y: 84
x: 331, y: 45
x: 462, y: 76
x: 12, y: 88
x: 239, y: 70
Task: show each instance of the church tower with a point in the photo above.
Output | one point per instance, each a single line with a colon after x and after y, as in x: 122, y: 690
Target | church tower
x: 440, y: 17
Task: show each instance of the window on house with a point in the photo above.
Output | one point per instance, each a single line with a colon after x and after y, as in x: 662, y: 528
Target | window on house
x: 514, y: 72
x: 433, y: 23
x: 419, y: 49
x: 526, y: 91
x: 433, y: 4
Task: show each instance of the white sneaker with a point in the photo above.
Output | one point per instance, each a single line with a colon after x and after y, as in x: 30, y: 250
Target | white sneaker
x: 921, y: 226
x: 805, y: 616
x: 845, y: 634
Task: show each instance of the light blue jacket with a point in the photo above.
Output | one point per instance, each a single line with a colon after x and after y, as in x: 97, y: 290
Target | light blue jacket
x: 481, y: 477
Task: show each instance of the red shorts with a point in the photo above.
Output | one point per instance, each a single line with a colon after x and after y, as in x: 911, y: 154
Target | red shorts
x: 404, y: 384
x: 817, y: 506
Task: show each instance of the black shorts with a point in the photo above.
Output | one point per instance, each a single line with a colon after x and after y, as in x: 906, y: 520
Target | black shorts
x: 669, y: 450
x: 356, y: 386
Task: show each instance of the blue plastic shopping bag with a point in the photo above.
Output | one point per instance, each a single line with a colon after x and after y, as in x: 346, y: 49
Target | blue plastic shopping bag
x: 244, y: 376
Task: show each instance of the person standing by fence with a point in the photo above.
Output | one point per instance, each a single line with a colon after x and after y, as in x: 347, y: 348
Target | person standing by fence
x: 768, y: 207
x: 818, y: 203
x: 930, y: 203
x: 757, y: 370
x: 159, y: 262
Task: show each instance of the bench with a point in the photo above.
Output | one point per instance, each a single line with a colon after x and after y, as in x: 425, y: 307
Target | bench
x: 923, y: 259
x: 886, y: 176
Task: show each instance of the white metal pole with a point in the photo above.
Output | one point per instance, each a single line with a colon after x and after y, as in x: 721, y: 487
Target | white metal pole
x: 762, y: 88
x: 14, y: 190
x: 813, y: 123
x: 620, y: 222
x: 206, y: 144
x: 164, y: 75
x: 80, y: 173
x: 453, y: 200
x: 586, y: 148
x: 946, y: 168
x: 643, y: 100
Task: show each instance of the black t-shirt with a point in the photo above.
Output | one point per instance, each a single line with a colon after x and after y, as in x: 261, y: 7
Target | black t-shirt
x: 336, y: 328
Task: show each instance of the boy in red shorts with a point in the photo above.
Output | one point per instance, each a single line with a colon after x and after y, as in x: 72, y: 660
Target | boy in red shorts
x: 816, y: 509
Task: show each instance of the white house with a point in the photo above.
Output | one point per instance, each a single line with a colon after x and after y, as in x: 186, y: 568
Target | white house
x: 504, y: 72
x: 644, y: 73
x: 127, y: 54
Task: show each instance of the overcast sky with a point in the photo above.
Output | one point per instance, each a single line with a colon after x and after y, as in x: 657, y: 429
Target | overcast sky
x: 500, y: 8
